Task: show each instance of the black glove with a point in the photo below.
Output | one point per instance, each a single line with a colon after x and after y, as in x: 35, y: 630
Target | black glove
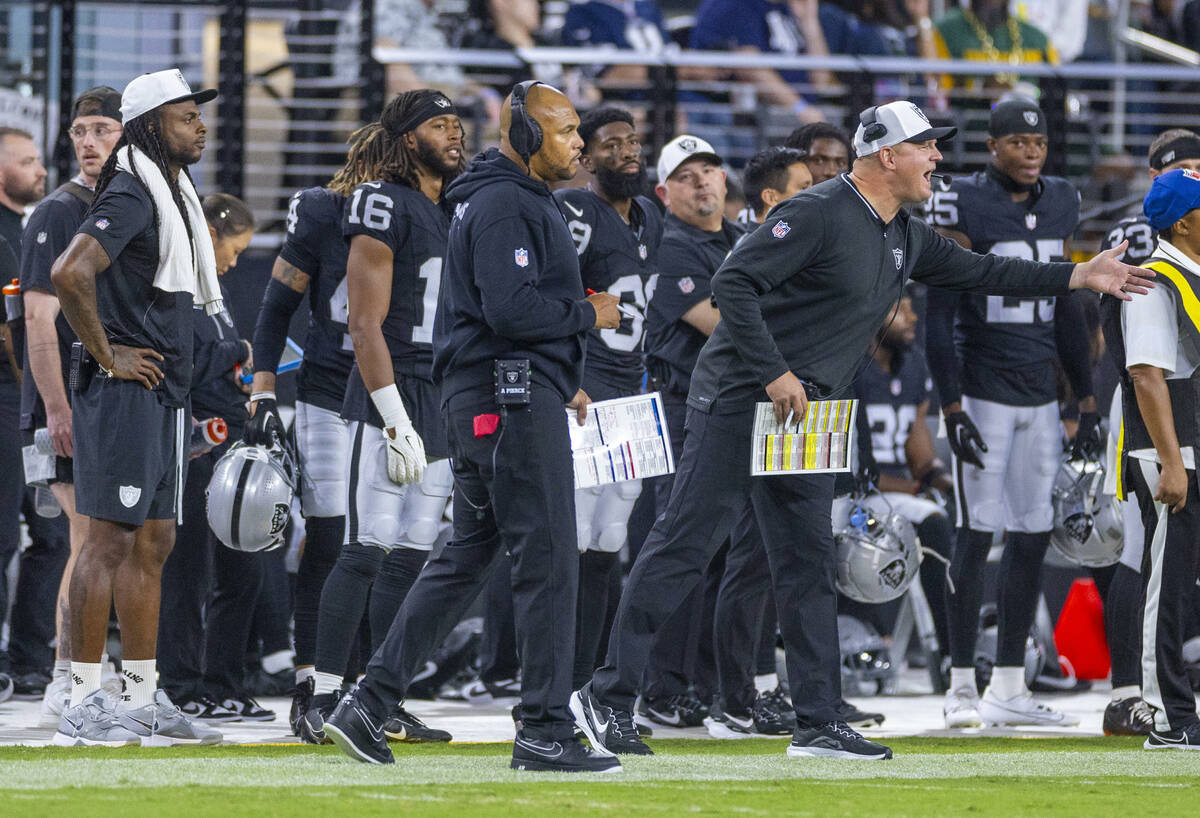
x: 867, y: 476
x: 265, y: 428
x: 1087, y: 443
x: 965, y: 440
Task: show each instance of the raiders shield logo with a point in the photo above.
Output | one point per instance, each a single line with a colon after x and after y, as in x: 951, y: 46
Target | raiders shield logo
x: 1079, y: 526
x: 687, y: 145
x: 441, y: 102
x: 279, y: 518
x: 899, y: 255
x: 1031, y: 117
x: 521, y: 257
x: 511, y: 377
x: 892, y: 574
x: 1031, y: 221
x: 780, y: 230
x: 920, y: 113
x: 129, y: 495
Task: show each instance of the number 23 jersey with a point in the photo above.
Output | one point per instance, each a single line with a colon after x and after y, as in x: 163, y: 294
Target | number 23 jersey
x: 415, y: 229
x: 995, y: 332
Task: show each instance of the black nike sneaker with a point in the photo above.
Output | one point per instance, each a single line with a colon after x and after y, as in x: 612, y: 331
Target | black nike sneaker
x: 404, y: 726
x: 1187, y: 738
x: 358, y: 732
x: 569, y: 756
x: 302, y: 695
x: 859, y: 718
x: 835, y: 739
x: 1128, y: 717
x: 312, y: 724
x: 769, y: 719
x: 611, y: 731
x: 673, y: 711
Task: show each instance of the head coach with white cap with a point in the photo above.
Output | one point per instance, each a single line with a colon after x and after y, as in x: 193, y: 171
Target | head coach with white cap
x: 127, y: 283
x: 801, y: 299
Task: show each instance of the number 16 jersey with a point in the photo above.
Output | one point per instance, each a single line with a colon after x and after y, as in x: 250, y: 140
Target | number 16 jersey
x: 1006, y: 344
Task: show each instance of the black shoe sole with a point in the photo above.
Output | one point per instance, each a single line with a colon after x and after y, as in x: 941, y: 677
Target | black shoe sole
x: 535, y: 766
x: 348, y: 747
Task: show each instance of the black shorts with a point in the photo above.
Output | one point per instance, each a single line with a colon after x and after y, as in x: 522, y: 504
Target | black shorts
x: 130, y: 452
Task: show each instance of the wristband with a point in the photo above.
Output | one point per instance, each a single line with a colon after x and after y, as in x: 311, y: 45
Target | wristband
x: 264, y: 395
x: 390, y: 407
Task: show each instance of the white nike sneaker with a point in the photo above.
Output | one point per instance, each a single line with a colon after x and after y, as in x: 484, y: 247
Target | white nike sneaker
x: 55, y: 700
x: 162, y: 724
x: 961, y: 708
x: 1021, y: 711
x: 726, y: 725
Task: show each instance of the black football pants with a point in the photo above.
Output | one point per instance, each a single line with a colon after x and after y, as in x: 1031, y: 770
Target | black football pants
x: 712, y: 484
x: 514, y: 491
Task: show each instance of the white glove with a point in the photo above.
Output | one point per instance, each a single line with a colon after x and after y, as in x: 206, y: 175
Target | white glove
x: 405, y: 454
x: 405, y: 449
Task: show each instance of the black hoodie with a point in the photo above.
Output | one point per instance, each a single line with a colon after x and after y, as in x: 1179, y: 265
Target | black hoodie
x: 511, y: 285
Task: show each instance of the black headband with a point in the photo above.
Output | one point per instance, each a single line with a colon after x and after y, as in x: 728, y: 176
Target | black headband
x: 427, y: 107
x: 1184, y: 147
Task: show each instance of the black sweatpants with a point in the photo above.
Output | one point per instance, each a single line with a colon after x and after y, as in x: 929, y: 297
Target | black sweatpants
x: 741, y: 609
x: 712, y: 484
x: 1170, y: 562
x: 514, y: 491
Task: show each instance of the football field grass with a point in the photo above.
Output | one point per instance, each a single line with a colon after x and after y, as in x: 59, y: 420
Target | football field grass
x: 929, y: 777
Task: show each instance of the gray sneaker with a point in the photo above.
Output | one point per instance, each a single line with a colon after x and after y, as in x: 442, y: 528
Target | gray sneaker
x: 93, y: 723
x: 162, y: 724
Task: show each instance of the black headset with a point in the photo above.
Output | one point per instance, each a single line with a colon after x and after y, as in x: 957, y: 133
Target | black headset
x: 872, y: 128
x: 524, y: 132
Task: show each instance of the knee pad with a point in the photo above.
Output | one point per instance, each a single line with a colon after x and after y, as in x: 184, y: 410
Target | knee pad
x: 987, y: 516
x: 612, y: 514
x: 361, y: 560
x: 586, y: 501
x: 425, y: 505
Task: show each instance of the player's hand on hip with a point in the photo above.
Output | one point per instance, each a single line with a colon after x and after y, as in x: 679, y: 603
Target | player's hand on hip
x: 965, y: 440
x: 405, y: 454
x: 265, y: 426
x: 136, y: 364
x: 580, y: 404
x: 1172, y: 487
x: 790, y: 399
x: 1106, y: 273
x: 608, y: 315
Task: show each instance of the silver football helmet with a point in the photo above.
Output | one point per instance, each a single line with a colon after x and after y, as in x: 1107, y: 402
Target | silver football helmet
x: 1087, y: 522
x: 867, y: 668
x: 878, y: 556
x: 249, y: 497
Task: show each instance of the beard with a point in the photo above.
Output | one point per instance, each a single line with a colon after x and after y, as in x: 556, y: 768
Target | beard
x: 438, y: 162
x: 615, y: 184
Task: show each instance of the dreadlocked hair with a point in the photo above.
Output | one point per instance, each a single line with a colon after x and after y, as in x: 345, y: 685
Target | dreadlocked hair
x: 400, y: 166
x: 139, y: 133
x: 365, y: 158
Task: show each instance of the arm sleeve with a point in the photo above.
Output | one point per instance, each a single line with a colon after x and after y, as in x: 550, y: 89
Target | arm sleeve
x: 512, y: 304
x: 940, y: 310
x: 758, y: 264
x: 944, y: 263
x: 1074, y: 347
x: 274, y: 316
x: 46, y: 236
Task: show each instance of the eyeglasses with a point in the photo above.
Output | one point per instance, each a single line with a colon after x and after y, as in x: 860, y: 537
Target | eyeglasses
x: 98, y: 131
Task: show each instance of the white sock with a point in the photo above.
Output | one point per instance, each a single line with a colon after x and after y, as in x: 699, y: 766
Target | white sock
x: 1008, y: 682
x: 62, y: 668
x: 303, y: 673
x: 277, y: 662
x: 766, y: 682
x: 962, y: 677
x: 327, y: 683
x: 85, y: 680
x: 140, y: 678
x: 1120, y: 694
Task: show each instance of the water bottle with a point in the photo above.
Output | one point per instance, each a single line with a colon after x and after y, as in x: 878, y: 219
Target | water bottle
x: 14, y: 305
x: 42, y: 441
x: 207, y: 434
x: 45, y: 503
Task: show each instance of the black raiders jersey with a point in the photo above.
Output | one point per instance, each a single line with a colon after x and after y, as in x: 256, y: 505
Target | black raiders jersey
x: 999, y: 337
x: 314, y: 245
x: 416, y: 230
x: 620, y: 259
x: 1142, y: 238
x: 890, y: 402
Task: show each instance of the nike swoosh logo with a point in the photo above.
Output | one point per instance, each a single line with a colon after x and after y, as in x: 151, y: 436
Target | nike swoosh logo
x: 74, y: 726
x: 543, y: 751
x: 573, y: 209
x: 674, y: 720
x: 375, y: 731
x: 150, y: 727
x: 601, y: 725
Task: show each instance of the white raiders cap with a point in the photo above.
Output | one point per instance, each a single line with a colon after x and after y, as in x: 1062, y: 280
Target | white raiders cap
x: 147, y: 92
x: 679, y: 150
x: 882, y: 126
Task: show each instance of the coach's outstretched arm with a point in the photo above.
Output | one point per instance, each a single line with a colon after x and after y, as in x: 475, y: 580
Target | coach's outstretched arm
x: 74, y: 278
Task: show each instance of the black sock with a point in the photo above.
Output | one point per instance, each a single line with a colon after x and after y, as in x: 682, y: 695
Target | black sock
x: 962, y: 606
x: 935, y: 533
x: 1017, y: 596
x: 322, y: 544
x: 343, y: 601
x: 396, y: 575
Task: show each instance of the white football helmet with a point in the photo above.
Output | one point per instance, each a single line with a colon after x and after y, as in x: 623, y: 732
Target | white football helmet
x: 1087, y: 522
x: 249, y: 498
x: 878, y: 556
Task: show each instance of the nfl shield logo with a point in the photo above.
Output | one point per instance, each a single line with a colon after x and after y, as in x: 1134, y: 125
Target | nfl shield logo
x: 1031, y: 117
x: 642, y: 251
x: 899, y: 254
x: 780, y: 230
x: 1031, y: 220
x: 521, y: 257
x: 686, y: 285
x: 102, y: 223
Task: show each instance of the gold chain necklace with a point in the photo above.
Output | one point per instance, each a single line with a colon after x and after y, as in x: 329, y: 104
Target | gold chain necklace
x: 1015, y: 53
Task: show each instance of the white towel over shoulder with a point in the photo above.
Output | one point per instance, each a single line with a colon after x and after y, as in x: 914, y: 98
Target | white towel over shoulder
x: 178, y: 269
